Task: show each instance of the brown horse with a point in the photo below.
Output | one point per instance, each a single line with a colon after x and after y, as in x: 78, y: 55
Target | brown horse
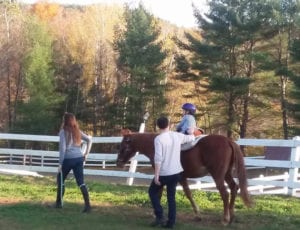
x: 213, y: 154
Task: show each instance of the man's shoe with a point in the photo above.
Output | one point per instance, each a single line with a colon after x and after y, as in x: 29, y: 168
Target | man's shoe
x: 87, y: 209
x: 168, y: 225
x: 157, y: 222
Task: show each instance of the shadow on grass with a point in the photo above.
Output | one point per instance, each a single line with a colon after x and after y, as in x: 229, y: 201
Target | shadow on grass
x: 25, y: 204
x: 35, y: 216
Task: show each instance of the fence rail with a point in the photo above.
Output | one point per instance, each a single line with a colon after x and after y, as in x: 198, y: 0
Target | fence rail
x: 45, y: 161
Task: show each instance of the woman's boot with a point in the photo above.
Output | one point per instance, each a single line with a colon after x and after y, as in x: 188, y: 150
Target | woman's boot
x: 60, y: 192
x: 85, y: 194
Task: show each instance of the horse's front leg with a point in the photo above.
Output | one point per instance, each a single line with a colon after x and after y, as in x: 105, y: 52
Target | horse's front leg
x: 183, y: 182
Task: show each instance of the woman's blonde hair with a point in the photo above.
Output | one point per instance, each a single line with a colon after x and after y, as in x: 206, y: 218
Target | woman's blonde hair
x: 71, y: 128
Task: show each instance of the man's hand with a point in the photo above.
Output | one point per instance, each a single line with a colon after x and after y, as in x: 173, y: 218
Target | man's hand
x: 156, y: 174
x: 156, y: 181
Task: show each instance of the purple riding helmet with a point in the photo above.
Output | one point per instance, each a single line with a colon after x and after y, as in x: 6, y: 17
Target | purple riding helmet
x: 191, y: 108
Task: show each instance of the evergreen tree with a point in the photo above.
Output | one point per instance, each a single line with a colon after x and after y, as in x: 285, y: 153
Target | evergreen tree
x: 226, y: 57
x: 285, y: 25
x: 294, y: 103
x: 36, y: 112
x: 141, y: 86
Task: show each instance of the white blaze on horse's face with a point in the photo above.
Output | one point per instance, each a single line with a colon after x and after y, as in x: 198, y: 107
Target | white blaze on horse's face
x: 126, y: 151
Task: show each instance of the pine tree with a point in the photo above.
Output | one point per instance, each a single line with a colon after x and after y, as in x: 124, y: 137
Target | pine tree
x: 285, y: 24
x: 36, y: 112
x: 140, y: 60
x: 294, y: 103
x: 227, y: 57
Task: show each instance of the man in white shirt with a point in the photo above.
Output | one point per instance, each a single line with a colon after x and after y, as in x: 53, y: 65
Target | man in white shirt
x: 167, y: 170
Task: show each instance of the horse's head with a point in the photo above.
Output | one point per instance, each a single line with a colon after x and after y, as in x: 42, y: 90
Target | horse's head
x: 127, y: 150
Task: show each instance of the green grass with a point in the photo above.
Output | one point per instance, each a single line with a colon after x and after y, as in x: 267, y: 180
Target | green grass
x: 25, y: 203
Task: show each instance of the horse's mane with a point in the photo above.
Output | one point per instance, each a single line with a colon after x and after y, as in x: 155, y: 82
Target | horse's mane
x: 128, y: 132
x: 142, y: 136
x: 143, y: 142
x: 125, y: 132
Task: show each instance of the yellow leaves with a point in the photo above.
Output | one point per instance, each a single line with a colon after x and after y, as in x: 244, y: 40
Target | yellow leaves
x: 45, y: 11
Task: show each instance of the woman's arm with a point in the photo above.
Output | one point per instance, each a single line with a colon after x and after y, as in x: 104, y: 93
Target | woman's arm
x: 88, y: 140
x: 62, y: 146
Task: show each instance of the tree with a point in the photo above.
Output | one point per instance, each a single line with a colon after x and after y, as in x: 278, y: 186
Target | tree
x: 44, y: 10
x: 103, y: 19
x: 225, y: 58
x: 11, y: 48
x: 294, y: 103
x: 284, y: 23
x: 37, y: 112
x: 141, y: 86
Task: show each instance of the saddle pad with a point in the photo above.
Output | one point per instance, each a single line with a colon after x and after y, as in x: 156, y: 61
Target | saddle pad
x: 191, y: 144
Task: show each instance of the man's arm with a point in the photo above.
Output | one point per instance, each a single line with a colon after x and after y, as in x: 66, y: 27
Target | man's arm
x: 187, y: 138
x: 157, y: 160
x: 156, y: 174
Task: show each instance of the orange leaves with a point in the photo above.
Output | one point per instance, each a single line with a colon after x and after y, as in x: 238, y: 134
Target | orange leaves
x: 45, y: 11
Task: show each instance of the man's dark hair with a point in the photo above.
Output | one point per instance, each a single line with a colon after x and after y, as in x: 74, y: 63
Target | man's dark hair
x: 162, y: 122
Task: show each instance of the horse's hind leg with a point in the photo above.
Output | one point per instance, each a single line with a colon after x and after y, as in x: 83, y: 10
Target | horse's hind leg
x: 183, y: 182
x: 233, y: 192
x: 225, y: 198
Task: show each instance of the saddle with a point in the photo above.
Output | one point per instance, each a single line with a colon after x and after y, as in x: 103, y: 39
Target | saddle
x: 198, y: 132
x: 191, y: 144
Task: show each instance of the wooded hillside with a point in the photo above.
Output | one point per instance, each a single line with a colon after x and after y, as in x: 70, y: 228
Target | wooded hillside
x: 109, y: 64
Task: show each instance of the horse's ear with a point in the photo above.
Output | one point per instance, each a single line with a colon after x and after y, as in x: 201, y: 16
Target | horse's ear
x: 125, y: 132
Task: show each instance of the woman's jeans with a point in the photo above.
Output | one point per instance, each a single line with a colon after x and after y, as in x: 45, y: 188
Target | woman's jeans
x: 155, y: 192
x: 75, y: 164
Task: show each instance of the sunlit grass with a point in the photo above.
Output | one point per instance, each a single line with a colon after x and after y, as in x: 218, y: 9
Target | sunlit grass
x: 25, y: 203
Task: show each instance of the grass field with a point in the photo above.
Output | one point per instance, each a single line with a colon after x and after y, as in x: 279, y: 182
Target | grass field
x: 25, y: 204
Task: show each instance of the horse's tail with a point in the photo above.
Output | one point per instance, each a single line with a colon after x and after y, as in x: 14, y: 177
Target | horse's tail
x: 241, y: 174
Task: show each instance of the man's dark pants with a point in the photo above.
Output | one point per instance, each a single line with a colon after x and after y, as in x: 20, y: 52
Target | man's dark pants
x: 155, y: 194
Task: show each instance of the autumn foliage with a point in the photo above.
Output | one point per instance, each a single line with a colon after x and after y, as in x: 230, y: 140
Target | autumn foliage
x: 44, y: 10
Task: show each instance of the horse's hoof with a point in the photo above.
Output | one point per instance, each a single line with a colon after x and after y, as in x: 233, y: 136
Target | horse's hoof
x: 225, y: 223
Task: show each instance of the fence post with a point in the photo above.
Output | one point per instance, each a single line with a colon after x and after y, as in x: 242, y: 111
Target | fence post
x: 42, y: 160
x: 134, y: 162
x: 261, y: 187
x: 293, y: 172
x: 286, y: 177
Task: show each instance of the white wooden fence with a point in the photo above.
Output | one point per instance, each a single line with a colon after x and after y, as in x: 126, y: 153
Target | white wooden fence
x: 45, y: 161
